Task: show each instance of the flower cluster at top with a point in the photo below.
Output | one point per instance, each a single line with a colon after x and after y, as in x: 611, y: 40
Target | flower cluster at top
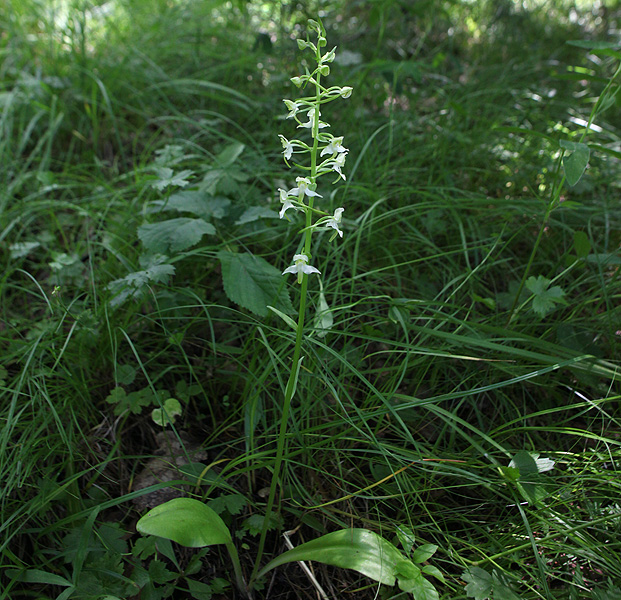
x: 326, y: 151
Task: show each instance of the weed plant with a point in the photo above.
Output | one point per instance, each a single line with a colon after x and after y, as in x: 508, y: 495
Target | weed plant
x: 461, y: 390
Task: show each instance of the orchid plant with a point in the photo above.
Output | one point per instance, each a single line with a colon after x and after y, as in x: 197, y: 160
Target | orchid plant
x: 326, y: 155
x: 192, y: 523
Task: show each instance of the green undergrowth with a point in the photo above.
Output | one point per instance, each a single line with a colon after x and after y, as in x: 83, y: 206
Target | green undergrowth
x: 473, y: 324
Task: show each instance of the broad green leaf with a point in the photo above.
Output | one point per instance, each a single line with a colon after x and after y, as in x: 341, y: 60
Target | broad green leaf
x: 255, y: 213
x: 186, y: 521
x: 357, y: 549
x: 168, y: 413
x: 582, y: 245
x: 133, y: 402
x: 479, y: 583
x: 530, y: 481
x: 433, y: 571
x: 174, y: 234
x: 406, y: 569
x: 230, y: 154
x: 134, y: 285
x: 232, y: 503
x: 575, y: 160
x: 253, y: 283
x: 406, y: 537
x: 196, y: 202
x: 423, y: 553
x: 420, y: 588
x: 545, y: 299
x: 199, y: 590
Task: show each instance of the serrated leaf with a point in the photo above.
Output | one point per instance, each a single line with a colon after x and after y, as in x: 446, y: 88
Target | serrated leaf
x: 254, y: 213
x: 196, y: 202
x: 133, y: 402
x: 21, y: 249
x: 575, y: 160
x: 167, y: 177
x: 167, y: 414
x: 479, y: 583
x: 253, y: 283
x: 186, y: 521
x: 545, y: 298
x: 174, y: 234
x: 232, y: 503
x: 357, y: 549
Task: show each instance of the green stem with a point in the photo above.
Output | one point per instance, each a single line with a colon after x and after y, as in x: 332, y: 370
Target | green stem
x: 295, y: 364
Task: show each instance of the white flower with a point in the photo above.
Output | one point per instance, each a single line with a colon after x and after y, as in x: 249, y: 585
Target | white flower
x: 334, y: 147
x: 286, y: 203
x: 300, y: 267
x: 337, y: 164
x: 287, y: 145
x: 335, y: 221
x: 292, y: 107
x: 302, y: 189
x: 312, y: 115
x: 346, y: 91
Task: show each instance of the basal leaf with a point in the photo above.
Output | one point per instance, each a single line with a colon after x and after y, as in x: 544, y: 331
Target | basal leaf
x: 357, y: 549
x: 253, y: 283
x: 174, y: 234
x: 186, y: 521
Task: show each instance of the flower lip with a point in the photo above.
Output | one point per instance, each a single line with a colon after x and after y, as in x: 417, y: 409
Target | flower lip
x: 303, y: 188
x: 301, y: 267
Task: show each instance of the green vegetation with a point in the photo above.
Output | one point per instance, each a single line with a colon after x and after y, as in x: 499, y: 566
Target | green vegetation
x: 457, y: 409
